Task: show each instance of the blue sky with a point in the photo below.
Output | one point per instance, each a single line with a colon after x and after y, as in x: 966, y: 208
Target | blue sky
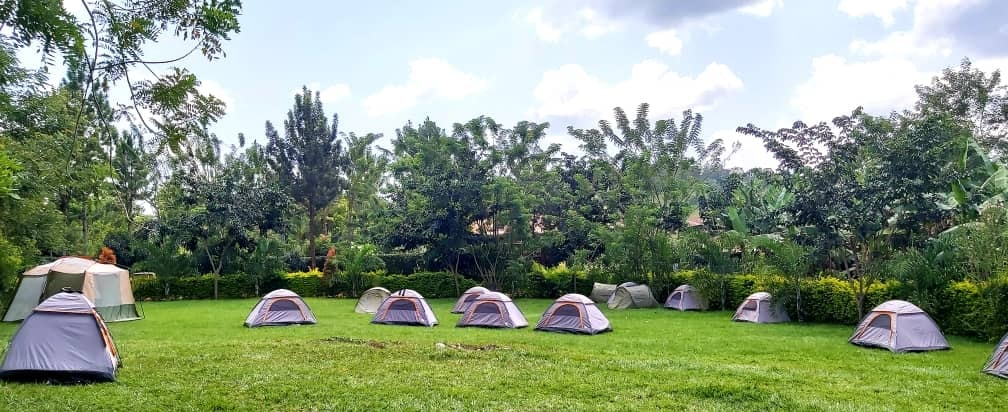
x: 769, y: 62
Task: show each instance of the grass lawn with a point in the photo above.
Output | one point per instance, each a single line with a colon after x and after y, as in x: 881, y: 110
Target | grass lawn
x: 195, y: 355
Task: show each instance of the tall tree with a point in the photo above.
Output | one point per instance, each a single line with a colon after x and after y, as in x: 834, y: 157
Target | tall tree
x: 111, y: 40
x: 979, y: 101
x: 435, y: 192
x: 223, y: 212
x: 132, y: 168
x: 309, y: 159
x: 365, y: 172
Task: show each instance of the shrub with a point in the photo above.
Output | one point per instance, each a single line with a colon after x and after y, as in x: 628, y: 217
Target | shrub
x: 147, y: 288
x: 429, y: 284
x: 978, y: 309
x: 306, y: 284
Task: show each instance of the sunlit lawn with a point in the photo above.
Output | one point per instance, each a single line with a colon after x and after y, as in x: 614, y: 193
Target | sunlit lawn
x: 195, y: 355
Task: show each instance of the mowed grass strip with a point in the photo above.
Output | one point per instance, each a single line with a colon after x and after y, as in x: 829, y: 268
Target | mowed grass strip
x: 196, y: 355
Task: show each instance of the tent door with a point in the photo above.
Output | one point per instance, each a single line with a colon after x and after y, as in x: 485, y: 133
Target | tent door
x: 55, y: 282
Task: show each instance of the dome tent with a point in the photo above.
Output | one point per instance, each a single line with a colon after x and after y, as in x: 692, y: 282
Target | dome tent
x: 405, y: 307
x: 612, y: 296
x: 63, y: 340
x: 371, y: 299
x: 602, y: 291
x: 493, y: 310
x: 899, y: 326
x: 632, y: 297
x: 998, y: 363
x: 106, y: 286
x: 574, y: 313
x: 685, y: 298
x: 280, y: 307
x: 467, y: 298
x: 759, y: 308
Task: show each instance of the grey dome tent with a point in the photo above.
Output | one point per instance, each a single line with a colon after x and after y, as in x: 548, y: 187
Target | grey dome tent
x: 602, y: 291
x: 899, y: 326
x: 574, y: 313
x: 685, y: 298
x: 106, y: 286
x: 632, y: 297
x: 371, y: 299
x: 998, y: 363
x: 612, y: 297
x: 63, y: 340
x: 759, y: 308
x: 405, y: 307
x: 493, y: 310
x: 280, y: 307
x: 468, y: 297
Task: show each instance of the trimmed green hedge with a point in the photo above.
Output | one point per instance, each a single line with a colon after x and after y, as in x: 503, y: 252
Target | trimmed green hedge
x: 965, y: 308
x: 308, y: 284
x: 428, y: 284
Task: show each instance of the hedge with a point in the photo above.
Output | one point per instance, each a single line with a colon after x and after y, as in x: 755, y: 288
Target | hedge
x: 308, y: 284
x: 428, y: 284
x: 964, y: 308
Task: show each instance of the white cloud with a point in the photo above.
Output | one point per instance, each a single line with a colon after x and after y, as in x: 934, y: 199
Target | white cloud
x: 883, y: 9
x: 569, y: 91
x: 330, y: 94
x: 763, y: 8
x: 667, y: 41
x: 901, y: 43
x: 586, y: 22
x: 428, y: 77
x: 545, y: 30
x: 212, y: 87
x: 837, y: 86
x: 940, y: 27
x: 594, y: 25
x: 334, y: 93
x: 75, y: 8
x: 751, y: 152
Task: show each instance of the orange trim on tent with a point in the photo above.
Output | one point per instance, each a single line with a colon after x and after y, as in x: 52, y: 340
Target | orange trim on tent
x: 106, y: 336
x: 416, y: 307
x: 500, y: 309
x: 266, y: 309
x: 578, y: 306
x: 892, y: 331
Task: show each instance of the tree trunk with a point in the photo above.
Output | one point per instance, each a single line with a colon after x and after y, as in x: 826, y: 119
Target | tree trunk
x: 84, y: 225
x: 455, y: 276
x: 798, y: 299
x: 311, y: 236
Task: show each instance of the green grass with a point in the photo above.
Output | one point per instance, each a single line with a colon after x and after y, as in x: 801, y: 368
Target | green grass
x: 195, y: 355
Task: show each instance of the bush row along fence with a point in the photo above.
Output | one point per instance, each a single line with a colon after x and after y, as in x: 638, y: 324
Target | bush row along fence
x: 307, y: 284
x: 962, y: 308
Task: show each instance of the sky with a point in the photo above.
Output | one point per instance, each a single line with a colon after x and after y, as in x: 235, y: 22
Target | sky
x: 381, y: 64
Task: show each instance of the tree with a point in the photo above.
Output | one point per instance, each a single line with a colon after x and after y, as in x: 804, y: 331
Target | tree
x: 436, y: 192
x: 222, y: 210
x: 975, y: 99
x: 309, y: 160
x: 365, y: 174
x: 850, y: 186
x: 112, y: 41
x: 131, y: 168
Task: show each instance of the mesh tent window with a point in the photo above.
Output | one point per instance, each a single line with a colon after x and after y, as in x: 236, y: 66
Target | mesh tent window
x: 567, y: 309
x: 284, y: 305
x: 487, y: 307
x: 403, y: 304
x: 881, y: 321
